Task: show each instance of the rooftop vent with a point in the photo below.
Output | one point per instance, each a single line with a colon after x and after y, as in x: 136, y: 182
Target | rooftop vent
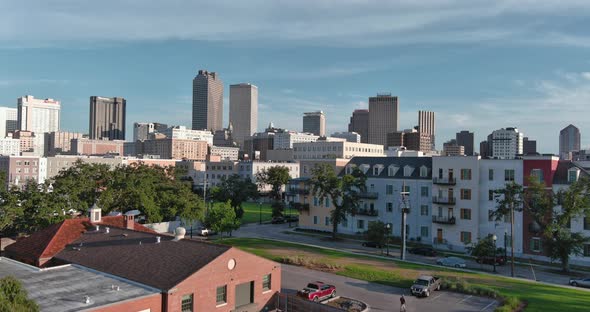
x: 158, y: 239
x: 87, y: 299
x: 98, y: 228
x: 115, y: 288
x: 106, y: 230
x: 179, y: 233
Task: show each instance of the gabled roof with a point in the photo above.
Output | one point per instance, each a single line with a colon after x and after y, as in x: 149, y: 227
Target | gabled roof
x: 48, y: 242
x: 400, y: 162
x: 138, y: 257
x: 561, y: 172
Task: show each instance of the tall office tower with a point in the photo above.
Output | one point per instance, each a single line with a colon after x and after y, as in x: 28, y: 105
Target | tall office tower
x: 107, y: 118
x: 8, y: 120
x: 569, y: 141
x: 426, y: 124
x: 315, y: 122
x: 529, y: 147
x: 383, y: 117
x: 207, y: 101
x: 141, y: 130
x: 38, y: 116
x: 506, y: 143
x: 243, y: 110
x: 465, y: 138
x: 359, y: 123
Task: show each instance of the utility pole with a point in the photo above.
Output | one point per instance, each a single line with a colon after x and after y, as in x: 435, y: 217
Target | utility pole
x: 512, y: 239
x: 405, y: 210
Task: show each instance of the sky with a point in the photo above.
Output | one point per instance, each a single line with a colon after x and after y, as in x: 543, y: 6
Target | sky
x: 480, y: 65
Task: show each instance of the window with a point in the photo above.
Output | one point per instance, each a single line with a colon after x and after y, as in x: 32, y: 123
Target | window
x: 466, y: 237
x: 266, y: 282
x: 536, y: 244
x: 465, y: 213
x: 509, y: 175
x: 586, y: 223
x: 465, y: 174
x: 187, y: 303
x: 424, y: 231
x: 326, y: 221
x: 221, y: 294
x: 572, y: 175
x: 466, y: 194
x: 372, y: 186
x: 423, y: 172
x: 490, y: 194
x: 315, y: 219
x: 389, y: 207
x: 424, y: 191
x: 537, y: 174
x: 491, y: 174
x: 389, y: 189
x: 360, y: 224
x: 586, y: 250
x: 315, y: 201
x: 375, y: 170
x: 424, y: 210
x: 327, y: 202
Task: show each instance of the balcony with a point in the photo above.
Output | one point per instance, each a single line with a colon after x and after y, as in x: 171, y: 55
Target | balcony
x: 368, y: 212
x: 444, y: 200
x: 369, y: 195
x: 444, y: 181
x: 443, y: 220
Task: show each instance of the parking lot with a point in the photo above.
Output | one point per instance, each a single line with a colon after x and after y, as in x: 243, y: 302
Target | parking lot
x: 384, y: 298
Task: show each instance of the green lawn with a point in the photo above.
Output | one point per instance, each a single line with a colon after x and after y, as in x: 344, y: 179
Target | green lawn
x: 539, y: 297
x: 252, y: 212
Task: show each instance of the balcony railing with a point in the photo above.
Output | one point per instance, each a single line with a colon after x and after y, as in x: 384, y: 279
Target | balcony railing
x: 369, y: 195
x: 444, y: 181
x: 444, y: 200
x: 368, y: 212
x: 443, y: 220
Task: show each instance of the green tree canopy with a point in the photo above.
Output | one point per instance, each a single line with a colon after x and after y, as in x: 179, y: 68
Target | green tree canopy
x: 377, y: 232
x: 222, y: 218
x: 276, y: 177
x: 236, y: 190
x: 14, y: 298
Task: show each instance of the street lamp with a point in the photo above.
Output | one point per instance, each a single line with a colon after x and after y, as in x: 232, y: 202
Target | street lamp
x: 388, y: 228
x: 260, y: 211
x: 495, y: 238
x: 505, y: 245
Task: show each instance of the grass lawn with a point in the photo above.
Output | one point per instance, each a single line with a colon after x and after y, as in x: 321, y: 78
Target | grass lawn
x: 539, y: 297
x: 252, y: 212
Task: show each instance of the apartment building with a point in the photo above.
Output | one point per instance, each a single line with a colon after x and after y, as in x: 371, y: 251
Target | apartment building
x: 20, y: 169
x: 249, y: 170
x: 335, y: 149
x: 285, y: 139
x: 183, y: 133
x: 226, y: 153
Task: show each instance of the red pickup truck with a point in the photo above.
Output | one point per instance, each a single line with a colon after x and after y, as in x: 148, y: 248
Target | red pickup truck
x: 317, y: 291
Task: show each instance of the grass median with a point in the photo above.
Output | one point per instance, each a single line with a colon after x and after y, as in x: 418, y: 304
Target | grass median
x: 538, y: 297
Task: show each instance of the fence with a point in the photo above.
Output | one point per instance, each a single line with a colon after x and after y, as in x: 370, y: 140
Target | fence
x: 291, y: 303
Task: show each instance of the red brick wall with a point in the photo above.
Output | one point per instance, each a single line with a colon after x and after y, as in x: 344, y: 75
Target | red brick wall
x: 154, y: 303
x: 204, y: 283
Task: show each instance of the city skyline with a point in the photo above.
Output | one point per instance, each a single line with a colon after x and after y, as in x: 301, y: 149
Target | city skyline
x: 473, y: 76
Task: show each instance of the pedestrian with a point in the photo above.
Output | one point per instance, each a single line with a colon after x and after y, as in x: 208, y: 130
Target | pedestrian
x: 402, y: 301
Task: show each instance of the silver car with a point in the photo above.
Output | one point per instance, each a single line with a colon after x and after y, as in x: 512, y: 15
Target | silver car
x: 452, y: 262
x: 582, y: 282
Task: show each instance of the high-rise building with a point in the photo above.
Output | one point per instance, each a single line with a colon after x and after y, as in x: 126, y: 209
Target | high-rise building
x: 569, y: 141
x: 60, y: 142
x: 107, y: 118
x: 426, y: 124
x: 383, y: 117
x: 359, y: 123
x: 207, y: 101
x: 466, y: 139
x: 506, y: 143
x: 38, y: 116
x: 243, y: 110
x: 141, y: 130
x: 8, y: 120
x: 529, y: 147
x: 410, y: 139
x: 452, y: 148
x: 314, y: 122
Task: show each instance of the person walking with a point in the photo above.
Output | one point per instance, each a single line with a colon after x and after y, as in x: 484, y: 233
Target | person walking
x: 402, y: 301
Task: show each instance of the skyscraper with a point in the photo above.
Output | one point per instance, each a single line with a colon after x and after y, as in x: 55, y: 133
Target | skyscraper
x: 38, y: 116
x: 506, y: 143
x: 529, y: 147
x: 207, y: 101
x: 107, y: 118
x: 465, y: 138
x: 314, y: 122
x: 243, y: 110
x: 8, y: 120
x: 383, y: 117
x: 569, y: 141
x: 359, y: 123
x: 426, y: 124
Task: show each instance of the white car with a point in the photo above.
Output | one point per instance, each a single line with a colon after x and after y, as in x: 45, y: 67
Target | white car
x: 452, y: 262
x: 203, y: 231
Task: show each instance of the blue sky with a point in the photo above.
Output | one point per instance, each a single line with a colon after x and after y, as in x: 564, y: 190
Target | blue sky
x: 479, y: 65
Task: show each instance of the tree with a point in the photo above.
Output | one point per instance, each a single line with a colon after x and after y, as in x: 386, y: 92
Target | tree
x: 40, y: 207
x: 276, y: 177
x: 236, y: 190
x: 222, y: 218
x: 344, y: 192
x: 14, y: 298
x: 508, y: 200
x: 377, y: 232
x: 484, y: 247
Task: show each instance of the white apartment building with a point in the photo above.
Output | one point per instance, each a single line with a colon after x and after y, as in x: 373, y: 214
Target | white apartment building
x: 507, y: 143
x: 348, y: 136
x: 8, y: 120
x: 38, y: 116
x: 330, y: 150
x: 183, y: 133
x: 249, y: 169
x: 9, y: 147
x: 284, y: 140
x: 226, y: 153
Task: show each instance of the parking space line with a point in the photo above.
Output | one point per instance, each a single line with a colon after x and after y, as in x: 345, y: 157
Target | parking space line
x: 464, y: 299
x: 486, y: 307
x: 436, y: 297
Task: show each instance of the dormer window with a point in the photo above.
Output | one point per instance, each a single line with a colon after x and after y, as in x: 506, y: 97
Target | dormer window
x: 349, y: 169
x: 572, y: 175
x: 392, y: 170
x: 408, y: 170
x: 377, y: 169
x: 423, y: 172
x: 365, y: 168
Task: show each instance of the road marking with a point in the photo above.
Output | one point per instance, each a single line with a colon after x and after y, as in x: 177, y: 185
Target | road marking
x: 486, y: 307
x: 436, y: 297
x: 464, y: 299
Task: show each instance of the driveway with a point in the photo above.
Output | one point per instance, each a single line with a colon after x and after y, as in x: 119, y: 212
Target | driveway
x: 384, y: 298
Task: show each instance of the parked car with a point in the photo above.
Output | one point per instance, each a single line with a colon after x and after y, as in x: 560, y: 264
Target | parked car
x: 317, y: 291
x: 582, y: 282
x: 372, y: 245
x: 203, y: 231
x: 452, y: 262
x: 424, y: 251
x: 500, y: 260
x: 277, y: 220
x: 424, y: 285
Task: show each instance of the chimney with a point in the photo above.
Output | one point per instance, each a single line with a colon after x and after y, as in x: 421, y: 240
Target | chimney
x: 129, y: 222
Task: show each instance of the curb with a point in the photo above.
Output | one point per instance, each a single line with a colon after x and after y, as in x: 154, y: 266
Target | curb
x: 367, y: 307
